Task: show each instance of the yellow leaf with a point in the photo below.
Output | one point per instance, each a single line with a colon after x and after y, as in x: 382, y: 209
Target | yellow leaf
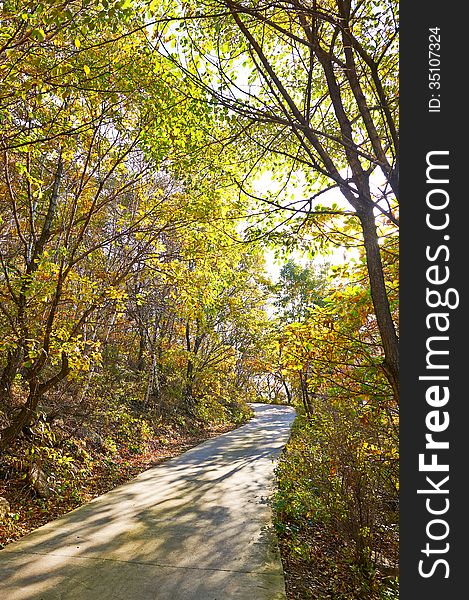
x: 86, y: 69
x: 77, y: 43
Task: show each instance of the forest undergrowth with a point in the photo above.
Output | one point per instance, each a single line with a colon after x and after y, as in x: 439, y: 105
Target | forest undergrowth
x: 316, y: 512
x: 50, y: 471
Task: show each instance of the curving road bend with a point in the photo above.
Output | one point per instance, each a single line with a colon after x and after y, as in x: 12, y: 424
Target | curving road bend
x: 197, y: 527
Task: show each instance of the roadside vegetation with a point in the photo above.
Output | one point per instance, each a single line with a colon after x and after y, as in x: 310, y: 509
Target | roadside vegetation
x: 336, y: 506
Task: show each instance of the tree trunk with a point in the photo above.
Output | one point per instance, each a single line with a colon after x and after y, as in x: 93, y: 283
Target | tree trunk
x: 188, y: 393
x: 22, y: 419
x: 140, y: 367
x: 287, y: 391
x: 8, y: 376
x: 305, y: 394
x: 386, y: 327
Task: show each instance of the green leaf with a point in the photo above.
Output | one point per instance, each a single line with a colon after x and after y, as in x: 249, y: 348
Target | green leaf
x: 38, y: 34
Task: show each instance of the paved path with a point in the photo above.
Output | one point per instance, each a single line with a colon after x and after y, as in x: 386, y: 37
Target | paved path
x: 197, y: 527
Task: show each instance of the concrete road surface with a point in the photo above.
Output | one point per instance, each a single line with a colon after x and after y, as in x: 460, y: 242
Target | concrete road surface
x: 197, y: 527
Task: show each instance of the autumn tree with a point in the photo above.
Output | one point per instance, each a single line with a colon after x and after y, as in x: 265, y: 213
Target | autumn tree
x: 299, y: 288
x: 350, y: 439
x: 85, y: 134
x: 310, y: 88
x: 200, y: 310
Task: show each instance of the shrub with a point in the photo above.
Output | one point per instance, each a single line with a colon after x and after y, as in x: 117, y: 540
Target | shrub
x: 336, y: 488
